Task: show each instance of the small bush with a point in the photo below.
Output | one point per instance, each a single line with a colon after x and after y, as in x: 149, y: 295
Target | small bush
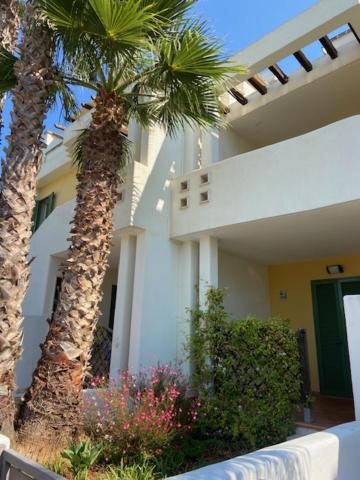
x: 81, y: 456
x: 143, y: 470
x: 247, y: 374
x: 140, y: 416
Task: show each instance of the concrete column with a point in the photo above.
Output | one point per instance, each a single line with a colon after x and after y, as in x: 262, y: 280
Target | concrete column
x: 208, y: 266
x: 209, y: 147
x: 188, y: 282
x: 135, y: 139
x: 123, y: 307
x: 191, y: 149
x: 137, y: 304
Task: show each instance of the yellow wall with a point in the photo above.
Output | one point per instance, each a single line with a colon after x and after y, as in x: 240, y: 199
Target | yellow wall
x: 296, y: 279
x: 64, y: 188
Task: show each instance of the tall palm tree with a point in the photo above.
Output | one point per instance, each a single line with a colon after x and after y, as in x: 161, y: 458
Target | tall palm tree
x: 9, y: 28
x: 30, y: 76
x: 149, y: 63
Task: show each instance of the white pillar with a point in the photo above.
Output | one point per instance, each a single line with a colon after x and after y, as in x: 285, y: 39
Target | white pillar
x: 123, y: 307
x: 208, y: 266
x: 352, y: 314
x: 135, y: 139
x: 188, y: 282
x: 191, y: 149
x: 137, y: 304
x: 209, y: 147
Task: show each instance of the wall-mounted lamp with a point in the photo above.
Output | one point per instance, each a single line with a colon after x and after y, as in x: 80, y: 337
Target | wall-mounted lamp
x: 332, y: 269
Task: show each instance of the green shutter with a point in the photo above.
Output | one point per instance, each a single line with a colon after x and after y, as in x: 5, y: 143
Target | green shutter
x: 50, y: 204
x: 35, y: 216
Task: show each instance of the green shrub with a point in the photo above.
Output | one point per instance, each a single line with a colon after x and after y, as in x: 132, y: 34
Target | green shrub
x: 247, y: 374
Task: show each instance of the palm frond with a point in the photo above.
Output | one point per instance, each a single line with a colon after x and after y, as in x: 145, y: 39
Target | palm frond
x: 169, y: 11
x: 7, y: 75
x: 62, y: 96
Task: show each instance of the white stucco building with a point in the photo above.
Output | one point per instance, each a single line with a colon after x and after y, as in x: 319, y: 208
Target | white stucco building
x: 261, y: 207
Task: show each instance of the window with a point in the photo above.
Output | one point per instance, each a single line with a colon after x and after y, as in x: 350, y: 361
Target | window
x: 204, y: 197
x: 184, y: 202
x: 184, y: 186
x: 42, y: 210
x: 204, y: 179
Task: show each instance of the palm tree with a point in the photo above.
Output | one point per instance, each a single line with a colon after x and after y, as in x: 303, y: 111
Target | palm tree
x: 30, y: 76
x: 151, y: 64
x: 9, y: 27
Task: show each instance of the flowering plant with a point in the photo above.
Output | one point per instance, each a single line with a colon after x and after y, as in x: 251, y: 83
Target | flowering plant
x: 142, y: 414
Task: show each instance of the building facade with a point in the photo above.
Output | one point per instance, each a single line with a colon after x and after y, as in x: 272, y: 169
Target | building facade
x: 261, y: 207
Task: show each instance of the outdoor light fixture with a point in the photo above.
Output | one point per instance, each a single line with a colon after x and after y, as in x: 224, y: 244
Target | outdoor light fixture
x: 331, y: 269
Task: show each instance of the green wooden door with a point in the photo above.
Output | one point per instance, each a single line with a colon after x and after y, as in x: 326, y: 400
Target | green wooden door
x: 331, y: 339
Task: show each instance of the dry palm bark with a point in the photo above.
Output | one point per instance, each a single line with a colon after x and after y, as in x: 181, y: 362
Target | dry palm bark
x: 9, y: 28
x: 54, y: 397
x: 17, y: 195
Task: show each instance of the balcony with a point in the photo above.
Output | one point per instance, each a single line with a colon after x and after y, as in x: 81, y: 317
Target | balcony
x: 309, y: 172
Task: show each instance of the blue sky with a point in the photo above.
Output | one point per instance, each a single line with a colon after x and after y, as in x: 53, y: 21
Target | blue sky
x: 237, y: 23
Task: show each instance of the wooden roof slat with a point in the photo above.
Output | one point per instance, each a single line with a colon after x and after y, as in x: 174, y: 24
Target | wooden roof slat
x: 303, y: 60
x: 238, y: 96
x: 58, y: 126
x: 279, y: 73
x: 329, y: 47
x: 88, y: 106
x: 354, y: 32
x: 258, y: 83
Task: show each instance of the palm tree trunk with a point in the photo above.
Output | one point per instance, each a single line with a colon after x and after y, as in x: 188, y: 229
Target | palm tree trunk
x: 17, y: 197
x: 9, y: 28
x: 54, y: 397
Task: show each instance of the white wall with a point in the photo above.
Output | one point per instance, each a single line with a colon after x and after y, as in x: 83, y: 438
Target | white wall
x: 280, y: 179
x: 232, y: 143
x: 247, y: 286
x: 329, y: 455
x: 352, y: 315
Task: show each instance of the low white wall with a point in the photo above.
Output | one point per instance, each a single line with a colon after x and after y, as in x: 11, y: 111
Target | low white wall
x: 329, y: 455
x: 247, y: 286
x: 352, y: 314
x: 4, y: 443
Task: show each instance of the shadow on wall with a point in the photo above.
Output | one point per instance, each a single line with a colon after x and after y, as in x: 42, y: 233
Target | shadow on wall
x: 329, y: 455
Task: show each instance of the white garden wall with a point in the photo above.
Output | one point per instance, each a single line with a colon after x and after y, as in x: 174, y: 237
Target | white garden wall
x: 352, y: 314
x: 329, y: 455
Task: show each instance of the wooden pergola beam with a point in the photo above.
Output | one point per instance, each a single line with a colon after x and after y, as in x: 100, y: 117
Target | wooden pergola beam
x: 239, y: 97
x: 354, y: 32
x: 303, y: 60
x: 329, y: 47
x: 258, y: 84
x: 279, y: 73
x: 88, y: 106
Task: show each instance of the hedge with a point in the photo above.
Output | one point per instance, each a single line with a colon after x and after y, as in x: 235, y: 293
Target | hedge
x: 247, y: 374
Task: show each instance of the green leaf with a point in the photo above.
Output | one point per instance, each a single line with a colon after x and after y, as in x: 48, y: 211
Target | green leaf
x: 7, y: 75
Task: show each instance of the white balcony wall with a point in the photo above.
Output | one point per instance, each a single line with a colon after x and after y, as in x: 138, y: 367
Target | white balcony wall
x: 315, y: 170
